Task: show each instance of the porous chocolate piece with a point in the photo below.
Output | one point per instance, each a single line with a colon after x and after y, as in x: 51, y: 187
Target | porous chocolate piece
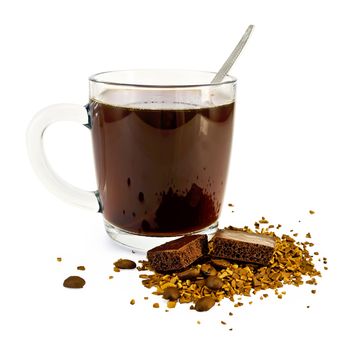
x: 179, y: 253
x: 243, y: 246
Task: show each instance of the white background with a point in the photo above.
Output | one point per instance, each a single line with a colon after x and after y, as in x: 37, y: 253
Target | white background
x: 290, y: 154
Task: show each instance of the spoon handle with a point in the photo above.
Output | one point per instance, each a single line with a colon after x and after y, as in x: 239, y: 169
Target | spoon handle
x: 233, y: 56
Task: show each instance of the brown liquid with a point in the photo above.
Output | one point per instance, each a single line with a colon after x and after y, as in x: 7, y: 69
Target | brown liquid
x: 161, y: 171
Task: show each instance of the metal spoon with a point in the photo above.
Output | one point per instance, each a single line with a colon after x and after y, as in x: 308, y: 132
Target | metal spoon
x: 220, y: 75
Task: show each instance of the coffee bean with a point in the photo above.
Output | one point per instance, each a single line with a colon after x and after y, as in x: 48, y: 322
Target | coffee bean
x: 125, y: 264
x: 74, y: 282
x: 208, y: 270
x: 200, y: 283
x: 220, y: 263
x: 189, y: 274
x: 214, y: 282
x: 171, y: 293
x: 204, y: 304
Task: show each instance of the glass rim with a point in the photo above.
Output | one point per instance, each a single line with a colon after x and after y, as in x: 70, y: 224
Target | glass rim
x: 228, y: 79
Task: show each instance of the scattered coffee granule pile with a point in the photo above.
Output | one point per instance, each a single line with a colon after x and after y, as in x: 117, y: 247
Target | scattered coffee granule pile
x: 212, y: 280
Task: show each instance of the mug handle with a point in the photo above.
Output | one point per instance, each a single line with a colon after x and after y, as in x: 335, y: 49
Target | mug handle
x: 59, y: 187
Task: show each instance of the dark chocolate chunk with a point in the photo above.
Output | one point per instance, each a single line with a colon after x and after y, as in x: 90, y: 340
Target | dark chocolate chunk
x: 179, y: 253
x: 243, y: 246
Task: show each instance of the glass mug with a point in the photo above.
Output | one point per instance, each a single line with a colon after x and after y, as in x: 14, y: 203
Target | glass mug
x: 162, y: 143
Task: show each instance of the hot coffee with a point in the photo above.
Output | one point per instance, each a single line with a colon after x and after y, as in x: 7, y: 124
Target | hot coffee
x: 161, y: 167
x: 161, y: 141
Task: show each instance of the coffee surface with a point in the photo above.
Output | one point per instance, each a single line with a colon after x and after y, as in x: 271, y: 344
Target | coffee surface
x: 161, y: 170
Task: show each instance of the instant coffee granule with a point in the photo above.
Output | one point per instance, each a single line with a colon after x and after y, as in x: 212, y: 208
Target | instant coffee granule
x: 171, y: 304
x: 291, y: 264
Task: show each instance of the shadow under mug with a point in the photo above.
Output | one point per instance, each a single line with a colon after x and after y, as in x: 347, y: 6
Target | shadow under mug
x: 162, y: 143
